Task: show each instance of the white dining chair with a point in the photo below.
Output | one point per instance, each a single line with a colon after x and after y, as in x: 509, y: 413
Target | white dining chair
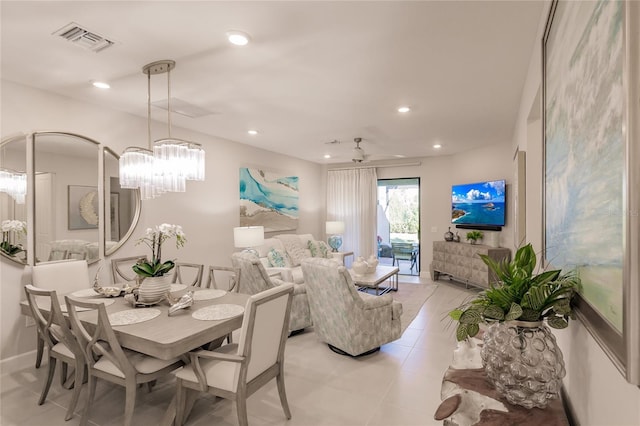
x: 60, y: 341
x: 121, y: 268
x: 236, y: 371
x: 57, y: 254
x: 223, y: 273
x: 64, y: 276
x: 188, y: 273
x: 107, y: 360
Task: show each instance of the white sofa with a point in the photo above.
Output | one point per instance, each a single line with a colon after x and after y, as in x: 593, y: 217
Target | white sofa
x: 296, y: 247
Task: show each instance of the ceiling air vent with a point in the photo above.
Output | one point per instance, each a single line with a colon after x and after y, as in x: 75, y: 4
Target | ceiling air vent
x: 84, y: 38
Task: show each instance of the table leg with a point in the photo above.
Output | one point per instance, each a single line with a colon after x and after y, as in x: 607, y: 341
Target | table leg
x: 170, y: 415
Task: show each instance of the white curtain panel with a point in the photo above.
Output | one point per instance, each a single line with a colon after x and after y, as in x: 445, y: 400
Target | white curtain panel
x: 352, y: 198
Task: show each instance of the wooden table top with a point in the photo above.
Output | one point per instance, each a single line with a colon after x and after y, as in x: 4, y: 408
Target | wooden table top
x: 381, y: 274
x: 167, y: 337
x: 475, y: 380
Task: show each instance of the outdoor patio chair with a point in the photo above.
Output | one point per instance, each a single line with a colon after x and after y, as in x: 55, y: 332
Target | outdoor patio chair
x: 405, y: 251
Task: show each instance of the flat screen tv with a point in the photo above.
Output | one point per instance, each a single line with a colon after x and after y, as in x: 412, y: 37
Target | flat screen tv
x: 479, y: 205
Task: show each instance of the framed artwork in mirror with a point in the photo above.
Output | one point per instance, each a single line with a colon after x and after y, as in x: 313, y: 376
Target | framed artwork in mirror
x: 83, y: 207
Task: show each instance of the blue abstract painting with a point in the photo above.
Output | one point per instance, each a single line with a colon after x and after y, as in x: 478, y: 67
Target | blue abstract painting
x: 585, y: 150
x: 269, y: 200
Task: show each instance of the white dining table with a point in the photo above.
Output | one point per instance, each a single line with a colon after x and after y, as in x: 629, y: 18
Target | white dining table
x: 167, y: 337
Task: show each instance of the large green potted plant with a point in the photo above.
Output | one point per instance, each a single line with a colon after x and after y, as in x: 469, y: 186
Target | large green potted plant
x: 518, y: 342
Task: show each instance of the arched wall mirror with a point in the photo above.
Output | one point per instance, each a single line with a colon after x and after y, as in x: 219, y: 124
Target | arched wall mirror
x: 68, y: 184
x: 13, y: 204
x: 66, y: 208
x: 122, y: 205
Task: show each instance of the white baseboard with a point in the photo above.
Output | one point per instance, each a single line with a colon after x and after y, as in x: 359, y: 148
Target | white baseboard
x: 19, y: 362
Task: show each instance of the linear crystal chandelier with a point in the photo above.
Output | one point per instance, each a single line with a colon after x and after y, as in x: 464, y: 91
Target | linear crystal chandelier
x: 166, y: 164
x: 14, y: 183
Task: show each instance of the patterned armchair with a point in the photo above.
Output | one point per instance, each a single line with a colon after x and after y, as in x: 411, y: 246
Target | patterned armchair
x: 254, y: 279
x: 351, y: 322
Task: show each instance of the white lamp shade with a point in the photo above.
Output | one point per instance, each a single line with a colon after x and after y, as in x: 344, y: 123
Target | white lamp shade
x: 248, y: 236
x: 335, y: 227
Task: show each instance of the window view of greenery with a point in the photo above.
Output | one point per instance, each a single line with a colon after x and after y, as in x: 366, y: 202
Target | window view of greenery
x: 398, y: 213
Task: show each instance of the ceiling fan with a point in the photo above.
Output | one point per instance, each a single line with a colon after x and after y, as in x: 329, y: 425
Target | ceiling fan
x: 358, y: 155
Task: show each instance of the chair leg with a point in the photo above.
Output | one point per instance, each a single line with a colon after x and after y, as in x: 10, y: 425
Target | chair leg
x: 39, y: 349
x: 47, y: 384
x: 283, y: 394
x: 66, y: 380
x: 77, y: 388
x: 241, y: 404
x: 130, y: 402
x: 87, y: 404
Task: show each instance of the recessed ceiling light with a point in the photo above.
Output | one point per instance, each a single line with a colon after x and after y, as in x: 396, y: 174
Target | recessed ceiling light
x: 404, y: 109
x: 252, y: 132
x: 398, y: 155
x: 327, y: 156
x: 101, y: 85
x: 437, y: 146
x: 238, y: 38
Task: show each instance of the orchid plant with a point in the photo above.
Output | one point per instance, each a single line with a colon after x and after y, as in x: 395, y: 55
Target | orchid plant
x: 16, y: 227
x: 154, y: 238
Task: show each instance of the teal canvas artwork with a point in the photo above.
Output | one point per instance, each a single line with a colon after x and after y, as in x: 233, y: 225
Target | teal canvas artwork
x: 585, y: 150
x: 268, y: 199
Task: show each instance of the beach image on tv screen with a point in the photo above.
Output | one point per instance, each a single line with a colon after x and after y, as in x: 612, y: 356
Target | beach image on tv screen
x: 480, y: 203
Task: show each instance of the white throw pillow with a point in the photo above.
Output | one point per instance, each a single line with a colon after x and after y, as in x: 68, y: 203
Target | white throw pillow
x: 278, y: 259
x: 318, y: 249
x: 294, y: 248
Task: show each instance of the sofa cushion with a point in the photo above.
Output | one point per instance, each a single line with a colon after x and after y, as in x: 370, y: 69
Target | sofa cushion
x: 296, y: 275
x: 318, y: 249
x: 278, y: 258
x: 293, y: 245
x: 268, y: 244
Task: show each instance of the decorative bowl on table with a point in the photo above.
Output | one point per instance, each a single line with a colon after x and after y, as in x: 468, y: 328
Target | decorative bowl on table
x: 360, y: 267
x: 108, y: 291
x: 372, y: 264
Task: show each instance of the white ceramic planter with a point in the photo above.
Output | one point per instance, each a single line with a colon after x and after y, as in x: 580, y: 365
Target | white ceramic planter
x: 154, y: 289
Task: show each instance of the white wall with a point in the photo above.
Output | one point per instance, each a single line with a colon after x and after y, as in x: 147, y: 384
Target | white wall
x: 597, y: 392
x: 208, y: 211
x: 437, y: 174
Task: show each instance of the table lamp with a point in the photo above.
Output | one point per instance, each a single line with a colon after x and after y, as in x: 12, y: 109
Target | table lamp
x: 335, y: 229
x: 248, y: 237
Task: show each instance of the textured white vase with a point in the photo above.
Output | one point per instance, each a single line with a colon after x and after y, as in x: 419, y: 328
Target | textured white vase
x: 372, y: 264
x: 360, y: 267
x: 154, y: 289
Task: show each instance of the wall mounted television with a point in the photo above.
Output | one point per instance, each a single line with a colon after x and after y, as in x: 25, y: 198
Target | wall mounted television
x: 479, y: 205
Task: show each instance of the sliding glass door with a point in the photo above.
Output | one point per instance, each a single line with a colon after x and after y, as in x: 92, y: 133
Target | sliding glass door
x: 399, y: 224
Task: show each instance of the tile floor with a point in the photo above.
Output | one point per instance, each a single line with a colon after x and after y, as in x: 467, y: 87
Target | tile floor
x: 400, y: 385
x: 403, y: 265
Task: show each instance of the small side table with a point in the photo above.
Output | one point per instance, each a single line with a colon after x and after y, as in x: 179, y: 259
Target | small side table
x: 340, y: 255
